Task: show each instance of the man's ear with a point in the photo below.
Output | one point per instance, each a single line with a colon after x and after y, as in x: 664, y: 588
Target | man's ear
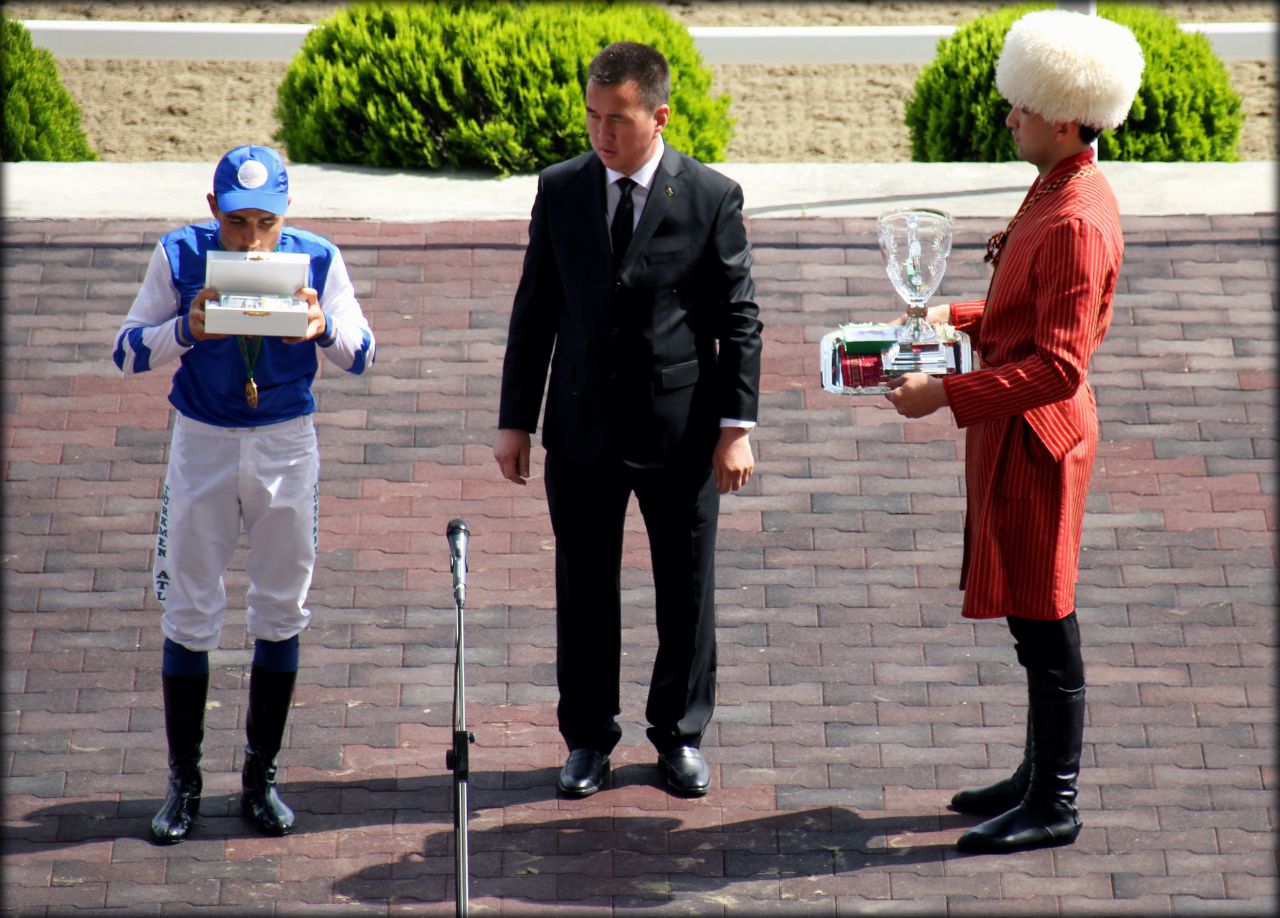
x: 662, y: 114
x: 213, y: 205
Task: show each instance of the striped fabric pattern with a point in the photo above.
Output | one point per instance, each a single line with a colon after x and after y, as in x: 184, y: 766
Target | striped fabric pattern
x: 1030, y: 417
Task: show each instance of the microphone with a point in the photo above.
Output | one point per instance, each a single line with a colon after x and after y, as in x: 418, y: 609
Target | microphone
x: 457, y: 535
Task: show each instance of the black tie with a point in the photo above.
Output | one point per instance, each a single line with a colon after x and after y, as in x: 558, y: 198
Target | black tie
x: 624, y: 219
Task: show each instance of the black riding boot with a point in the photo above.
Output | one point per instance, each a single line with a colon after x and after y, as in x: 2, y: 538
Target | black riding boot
x: 1047, y: 816
x: 1002, y: 796
x: 270, y: 695
x: 184, y: 700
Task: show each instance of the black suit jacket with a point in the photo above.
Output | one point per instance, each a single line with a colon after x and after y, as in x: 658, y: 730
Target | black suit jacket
x: 653, y: 358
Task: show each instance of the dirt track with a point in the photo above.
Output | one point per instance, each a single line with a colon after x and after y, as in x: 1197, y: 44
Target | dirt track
x: 186, y: 111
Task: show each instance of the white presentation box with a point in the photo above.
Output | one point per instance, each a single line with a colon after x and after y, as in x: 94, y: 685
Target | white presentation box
x: 255, y: 291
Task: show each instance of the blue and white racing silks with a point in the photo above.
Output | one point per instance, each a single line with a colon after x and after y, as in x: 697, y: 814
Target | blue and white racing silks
x: 209, y: 384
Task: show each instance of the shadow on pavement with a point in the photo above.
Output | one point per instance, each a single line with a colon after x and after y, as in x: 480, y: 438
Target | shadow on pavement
x: 647, y: 859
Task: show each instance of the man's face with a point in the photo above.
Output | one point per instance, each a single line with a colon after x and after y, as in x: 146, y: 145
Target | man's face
x: 623, y: 131
x: 1035, y: 138
x: 248, y: 229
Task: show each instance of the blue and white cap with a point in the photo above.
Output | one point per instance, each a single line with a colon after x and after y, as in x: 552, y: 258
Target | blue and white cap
x: 254, y: 177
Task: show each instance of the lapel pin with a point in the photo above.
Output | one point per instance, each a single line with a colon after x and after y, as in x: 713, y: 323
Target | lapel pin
x: 671, y: 192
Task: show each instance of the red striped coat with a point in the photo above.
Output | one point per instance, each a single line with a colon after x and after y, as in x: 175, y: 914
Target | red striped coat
x: 1030, y: 417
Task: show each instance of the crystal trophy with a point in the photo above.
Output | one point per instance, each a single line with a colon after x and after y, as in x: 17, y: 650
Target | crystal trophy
x: 859, y: 358
x: 915, y: 244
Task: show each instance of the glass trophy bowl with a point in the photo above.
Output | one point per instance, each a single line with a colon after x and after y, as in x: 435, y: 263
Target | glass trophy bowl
x: 915, y: 243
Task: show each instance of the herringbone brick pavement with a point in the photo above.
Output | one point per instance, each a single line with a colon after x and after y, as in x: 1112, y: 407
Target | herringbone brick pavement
x: 853, y: 698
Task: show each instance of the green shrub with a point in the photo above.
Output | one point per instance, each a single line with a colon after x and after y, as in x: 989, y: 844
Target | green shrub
x: 41, y: 120
x: 1185, y: 110
x: 491, y: 86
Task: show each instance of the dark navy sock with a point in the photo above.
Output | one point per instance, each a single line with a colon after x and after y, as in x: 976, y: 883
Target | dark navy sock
x: 179, y: 661
x: 277, y: 656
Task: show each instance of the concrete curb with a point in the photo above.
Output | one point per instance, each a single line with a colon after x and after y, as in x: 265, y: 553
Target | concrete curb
x: 175, y: 190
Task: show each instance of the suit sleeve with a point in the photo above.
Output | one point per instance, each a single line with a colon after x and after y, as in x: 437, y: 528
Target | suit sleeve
x: 1070, y: 273
x: 738, y: 323
x: 531, y: 334
x: 966, y: 316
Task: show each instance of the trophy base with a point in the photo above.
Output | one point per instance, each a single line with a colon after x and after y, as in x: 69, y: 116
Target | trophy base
x: 917, y: 358
x: 859, y: 358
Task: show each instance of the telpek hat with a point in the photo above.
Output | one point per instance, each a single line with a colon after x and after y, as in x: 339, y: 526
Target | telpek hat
x: 251, y: 177
x: 1068, y: 66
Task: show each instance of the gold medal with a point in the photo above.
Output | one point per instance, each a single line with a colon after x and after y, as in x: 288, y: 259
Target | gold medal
x: 251, y: 393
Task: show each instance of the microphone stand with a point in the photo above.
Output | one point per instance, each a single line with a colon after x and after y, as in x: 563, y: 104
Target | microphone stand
x: 457, y: 759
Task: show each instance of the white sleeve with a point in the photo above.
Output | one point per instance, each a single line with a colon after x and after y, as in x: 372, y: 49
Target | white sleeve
x: 348, y: 340
x: 153, y: 333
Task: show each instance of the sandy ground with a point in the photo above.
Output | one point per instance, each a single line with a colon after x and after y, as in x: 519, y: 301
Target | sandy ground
x: 187, y: 111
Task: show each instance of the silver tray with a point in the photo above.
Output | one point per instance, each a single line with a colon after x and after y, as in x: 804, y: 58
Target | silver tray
x: 852, y: 357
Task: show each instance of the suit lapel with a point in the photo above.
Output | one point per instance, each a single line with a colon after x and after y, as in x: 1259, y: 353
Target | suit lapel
x: 592, y: 197
x: 664, y: 189
x: 589, y: 225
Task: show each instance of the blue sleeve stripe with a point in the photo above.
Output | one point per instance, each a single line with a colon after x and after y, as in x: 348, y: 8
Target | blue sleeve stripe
x: 357, y: 365
x: 330, y: 335
x: 118, y: 354
x: 141, y: 353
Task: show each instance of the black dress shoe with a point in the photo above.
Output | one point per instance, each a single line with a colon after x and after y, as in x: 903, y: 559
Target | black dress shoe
x: 686, y: 771
x: 583, y: 772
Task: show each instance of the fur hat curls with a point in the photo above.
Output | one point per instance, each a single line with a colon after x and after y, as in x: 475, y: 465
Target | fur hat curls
x: 1068, y: 66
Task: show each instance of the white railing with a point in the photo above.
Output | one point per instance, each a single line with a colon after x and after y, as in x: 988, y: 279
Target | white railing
x: 1250, y: 41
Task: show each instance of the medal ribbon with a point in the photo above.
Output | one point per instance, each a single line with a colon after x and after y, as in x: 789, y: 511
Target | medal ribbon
x: 250, y: 348
x: 996, y: 243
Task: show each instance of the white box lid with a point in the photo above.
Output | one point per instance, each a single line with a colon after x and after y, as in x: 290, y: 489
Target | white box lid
x: 257, y: 273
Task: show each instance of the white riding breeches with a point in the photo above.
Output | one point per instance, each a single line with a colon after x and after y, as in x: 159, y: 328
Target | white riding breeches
x: 266, y: 478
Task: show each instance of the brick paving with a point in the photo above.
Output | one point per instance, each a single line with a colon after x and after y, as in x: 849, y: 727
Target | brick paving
x: 853, y: 698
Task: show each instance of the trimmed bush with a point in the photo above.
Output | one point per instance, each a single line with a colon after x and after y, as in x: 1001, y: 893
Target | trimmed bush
x: 492, y: 86
x: 41, y: 120
x: 1185, y: 110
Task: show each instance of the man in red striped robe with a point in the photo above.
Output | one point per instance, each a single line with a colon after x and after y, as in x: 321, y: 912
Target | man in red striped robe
x: 1030, y: 418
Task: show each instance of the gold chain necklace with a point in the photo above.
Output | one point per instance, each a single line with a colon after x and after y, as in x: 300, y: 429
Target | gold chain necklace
x: 996, y: 243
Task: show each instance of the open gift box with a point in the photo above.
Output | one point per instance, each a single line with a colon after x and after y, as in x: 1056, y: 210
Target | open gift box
x: 255, y: 293
x: 853, y: 357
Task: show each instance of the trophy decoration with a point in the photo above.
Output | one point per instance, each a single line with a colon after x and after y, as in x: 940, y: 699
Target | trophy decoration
x: 858, y: 358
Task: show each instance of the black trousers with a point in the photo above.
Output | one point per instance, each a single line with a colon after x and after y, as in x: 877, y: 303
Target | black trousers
x: 588, y: 506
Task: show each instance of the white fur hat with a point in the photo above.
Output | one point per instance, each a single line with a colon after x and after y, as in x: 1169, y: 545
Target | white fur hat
x: 1068, y: 66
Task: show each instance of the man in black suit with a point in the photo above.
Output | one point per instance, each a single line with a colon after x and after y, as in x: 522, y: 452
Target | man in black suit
x: 637, y: 293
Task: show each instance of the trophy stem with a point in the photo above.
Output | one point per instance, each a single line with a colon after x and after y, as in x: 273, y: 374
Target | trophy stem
x: 919, y: 349
x: 917, y: 330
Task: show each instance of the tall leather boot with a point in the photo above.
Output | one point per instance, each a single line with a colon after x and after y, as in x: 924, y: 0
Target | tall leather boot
x: 1002, y: 796
x: 270, y: 695
x: 184, y: 700
x: 1047, y: 815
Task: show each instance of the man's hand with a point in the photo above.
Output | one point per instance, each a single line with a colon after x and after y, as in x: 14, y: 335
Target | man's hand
x: 916, y: 394
x: 512, y: 452
x: 315, y: 318
x: 195, y: 316
x: 732, y: 460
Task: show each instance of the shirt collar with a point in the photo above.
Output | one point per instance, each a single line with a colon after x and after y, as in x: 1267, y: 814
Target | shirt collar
x: 644, y: 175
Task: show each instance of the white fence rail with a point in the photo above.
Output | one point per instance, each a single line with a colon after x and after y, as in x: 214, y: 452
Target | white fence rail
x: 1250, y: 41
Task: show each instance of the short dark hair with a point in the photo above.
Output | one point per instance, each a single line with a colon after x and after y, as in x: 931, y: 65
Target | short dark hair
x: 1089, y: 134
x: 629, y: 60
